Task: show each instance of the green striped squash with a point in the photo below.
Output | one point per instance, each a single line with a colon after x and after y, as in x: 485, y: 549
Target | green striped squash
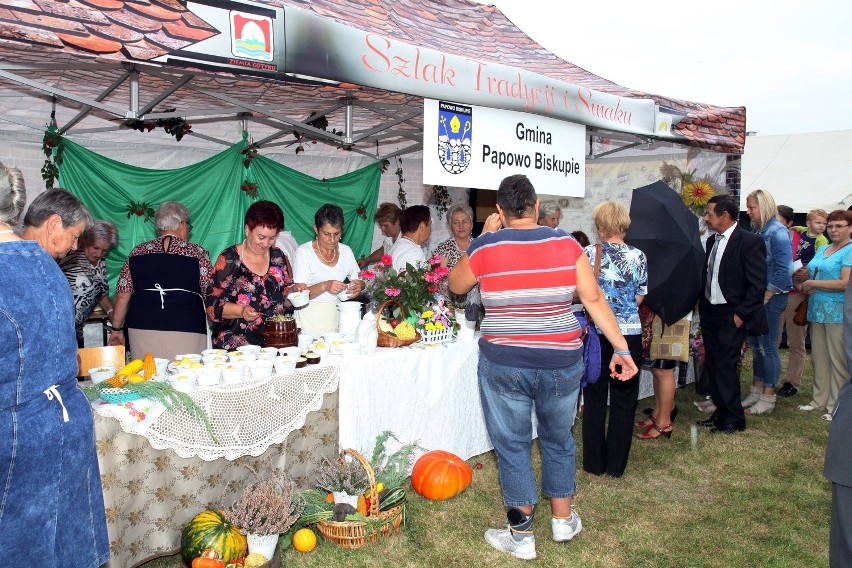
x: 210, y: 529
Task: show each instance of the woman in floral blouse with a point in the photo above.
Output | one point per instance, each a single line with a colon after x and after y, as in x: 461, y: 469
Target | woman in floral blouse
x: 250, y: 281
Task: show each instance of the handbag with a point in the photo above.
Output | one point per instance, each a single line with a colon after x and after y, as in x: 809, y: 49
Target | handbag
x: 670, y: 342
x: 591, y: 341
x: 800, y: 317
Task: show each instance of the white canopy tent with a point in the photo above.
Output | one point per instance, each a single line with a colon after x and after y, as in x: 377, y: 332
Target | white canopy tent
x: 804, y: 171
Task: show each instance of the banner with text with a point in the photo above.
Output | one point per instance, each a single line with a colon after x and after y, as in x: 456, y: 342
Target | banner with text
x: 473, y: 146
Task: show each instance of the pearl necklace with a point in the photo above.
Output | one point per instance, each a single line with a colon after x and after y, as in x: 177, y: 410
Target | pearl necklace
x: 322, y: 254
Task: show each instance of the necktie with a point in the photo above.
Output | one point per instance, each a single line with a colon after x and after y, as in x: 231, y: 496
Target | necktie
x: 711, y: 268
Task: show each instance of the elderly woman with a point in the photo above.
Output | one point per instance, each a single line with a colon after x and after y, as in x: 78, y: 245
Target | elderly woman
x: 416, y: 225
x: 387, y: 217
x: 624, y: 279
x: 829, y: 274
x: 250, y: 280
x: 52, y: 504
x: 329, y: 269
x: 550, y: 214
x: 166, y: 278
x: 779, y: 269
x: 531, y: 356
x: 460, y: 220
x: 55, y: 220
x: 85, y: 270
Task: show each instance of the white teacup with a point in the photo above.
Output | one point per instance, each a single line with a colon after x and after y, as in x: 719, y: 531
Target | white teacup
x: 343, y: 296
x: 233, y: 371
x: 305, y: 340
x: 162, y: 366
x: 267, y: 353
x: 240, y: 357
x: 320, y: 349
x: 209, y: 376
x: 253, y: 349
x: 183, y: 381
x: 99, y: 374
x: 331, y: 337
x: 194, y: 357
x: 299, y: 299
x: 293, y: 352
x: 261, y: 368
x: 214, y: 352
x: 284, y: 364
x: 214, y: 358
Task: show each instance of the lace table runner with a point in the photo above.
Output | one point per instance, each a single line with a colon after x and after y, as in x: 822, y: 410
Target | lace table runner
x: 246, y: 417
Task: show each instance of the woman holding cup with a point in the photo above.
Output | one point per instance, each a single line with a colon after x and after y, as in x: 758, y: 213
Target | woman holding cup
x: 329, y: 269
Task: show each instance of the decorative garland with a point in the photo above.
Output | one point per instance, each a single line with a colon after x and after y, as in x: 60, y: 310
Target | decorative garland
x: 53, y: 146
x: 141, y: 208
x: 442, y: 199
x: 320, y: 122
x: 175, y: 126
x: 249, y: 153
x: 400, y: 194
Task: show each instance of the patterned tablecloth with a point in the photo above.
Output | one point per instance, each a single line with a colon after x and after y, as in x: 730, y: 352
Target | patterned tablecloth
x: 150, y: 494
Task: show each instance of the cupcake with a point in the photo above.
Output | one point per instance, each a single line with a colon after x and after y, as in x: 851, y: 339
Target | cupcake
x: 312, y: 357
x: 301, y: 362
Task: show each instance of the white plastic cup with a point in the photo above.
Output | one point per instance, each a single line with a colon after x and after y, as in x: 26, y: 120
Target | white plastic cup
x: 284, y: 364
x: 261, y: 368
x: 233, y: 371
x: 100, y: 374
x: 305, y: 340
x: 209, y: 376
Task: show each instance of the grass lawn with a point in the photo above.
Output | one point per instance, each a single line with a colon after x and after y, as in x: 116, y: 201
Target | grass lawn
x: 756, y: 498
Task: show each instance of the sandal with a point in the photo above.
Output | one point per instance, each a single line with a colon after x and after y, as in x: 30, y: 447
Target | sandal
x: 647, y: 434
x: 647, y: 423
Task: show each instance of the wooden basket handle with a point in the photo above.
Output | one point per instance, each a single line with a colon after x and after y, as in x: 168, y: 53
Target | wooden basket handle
x: 371, y: 477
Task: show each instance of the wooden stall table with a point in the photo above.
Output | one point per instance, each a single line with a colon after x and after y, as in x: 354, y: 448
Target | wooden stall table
x: 160, y: 468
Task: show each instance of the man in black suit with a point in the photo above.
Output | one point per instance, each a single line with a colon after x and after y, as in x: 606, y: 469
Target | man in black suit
x: 838, y: 458
x: 732, y: 306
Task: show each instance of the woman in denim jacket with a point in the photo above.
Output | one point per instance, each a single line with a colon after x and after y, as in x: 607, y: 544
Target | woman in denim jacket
x: 779, y: 271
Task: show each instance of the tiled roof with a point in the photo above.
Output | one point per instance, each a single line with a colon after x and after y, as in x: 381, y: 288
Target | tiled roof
x: 134, y: 30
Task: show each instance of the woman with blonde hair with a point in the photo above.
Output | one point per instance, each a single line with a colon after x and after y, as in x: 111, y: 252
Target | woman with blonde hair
x: 779, y: 271
x: 623, y: 277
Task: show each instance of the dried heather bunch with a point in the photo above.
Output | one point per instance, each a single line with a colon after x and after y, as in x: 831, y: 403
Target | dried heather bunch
x: 343, y: 475
x: 266, y: 507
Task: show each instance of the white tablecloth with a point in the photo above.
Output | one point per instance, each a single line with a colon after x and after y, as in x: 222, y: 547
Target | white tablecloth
x: 424, y: 394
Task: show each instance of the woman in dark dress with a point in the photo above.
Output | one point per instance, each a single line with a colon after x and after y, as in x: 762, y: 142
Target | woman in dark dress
x: 251, y: 281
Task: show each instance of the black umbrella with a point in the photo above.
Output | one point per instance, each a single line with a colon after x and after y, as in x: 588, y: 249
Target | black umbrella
x: 666, y: 230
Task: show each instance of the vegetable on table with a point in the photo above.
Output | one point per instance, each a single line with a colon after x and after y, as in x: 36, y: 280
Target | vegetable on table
x: 439, y: 475
x: 149, y: 368
x: 209, y: 559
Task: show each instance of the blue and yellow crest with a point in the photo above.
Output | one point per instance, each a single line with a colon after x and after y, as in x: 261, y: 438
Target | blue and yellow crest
x: 455, y: 132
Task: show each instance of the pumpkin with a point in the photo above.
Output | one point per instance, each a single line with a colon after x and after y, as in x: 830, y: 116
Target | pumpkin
x: 439, y: 475
x: 210, y: 529
x: 209, y: 559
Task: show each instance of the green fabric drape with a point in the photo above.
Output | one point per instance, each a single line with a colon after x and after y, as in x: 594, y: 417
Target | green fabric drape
x: 211, y: 191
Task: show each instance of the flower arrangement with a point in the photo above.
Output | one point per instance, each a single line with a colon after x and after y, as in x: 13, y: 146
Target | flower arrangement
x: 266, y: 507
x: 414, y: 288
x: 342, y: 475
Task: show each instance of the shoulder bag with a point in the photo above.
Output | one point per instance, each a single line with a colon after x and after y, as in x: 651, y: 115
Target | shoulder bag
x: 591, y: 341
x: 800, y: 317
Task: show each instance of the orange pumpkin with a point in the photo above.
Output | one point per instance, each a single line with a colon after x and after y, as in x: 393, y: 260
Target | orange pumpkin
x: 439, y: 475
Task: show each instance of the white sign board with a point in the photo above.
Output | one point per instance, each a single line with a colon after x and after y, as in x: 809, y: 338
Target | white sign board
x: 473, y: 146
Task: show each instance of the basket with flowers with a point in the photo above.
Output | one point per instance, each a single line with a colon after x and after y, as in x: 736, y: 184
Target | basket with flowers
x: 410, y: 301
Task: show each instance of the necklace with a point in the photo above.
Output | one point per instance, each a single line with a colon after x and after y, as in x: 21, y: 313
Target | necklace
x: 322, y: 254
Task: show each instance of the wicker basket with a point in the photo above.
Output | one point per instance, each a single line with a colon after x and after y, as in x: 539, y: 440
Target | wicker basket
x: 355, y: 534
x: 387, y: 340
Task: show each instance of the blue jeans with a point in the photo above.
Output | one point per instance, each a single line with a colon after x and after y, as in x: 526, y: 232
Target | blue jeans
x: 767, y: 359
x: 508, y: 395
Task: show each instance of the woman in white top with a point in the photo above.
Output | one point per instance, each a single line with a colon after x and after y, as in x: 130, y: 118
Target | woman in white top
x: 329, y: 269
x: 416, y: 226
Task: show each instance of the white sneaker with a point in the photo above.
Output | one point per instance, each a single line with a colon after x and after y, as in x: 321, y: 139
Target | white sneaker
x: 566, y: 529
x: 502, y: 540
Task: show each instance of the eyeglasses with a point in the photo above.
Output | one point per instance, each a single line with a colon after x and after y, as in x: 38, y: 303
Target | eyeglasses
x: 836, y: 226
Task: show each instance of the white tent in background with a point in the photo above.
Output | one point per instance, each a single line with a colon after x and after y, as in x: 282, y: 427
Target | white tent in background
x: 804, y: 171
